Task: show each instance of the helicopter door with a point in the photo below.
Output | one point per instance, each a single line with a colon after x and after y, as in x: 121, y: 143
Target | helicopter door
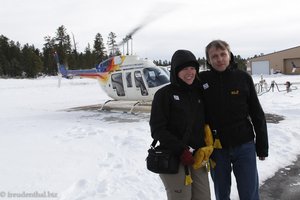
x: 131, y: 91
x: 139, y: 83
x: 117, y: 84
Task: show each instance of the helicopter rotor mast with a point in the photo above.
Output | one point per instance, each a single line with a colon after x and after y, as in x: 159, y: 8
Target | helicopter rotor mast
x: 129, y: 38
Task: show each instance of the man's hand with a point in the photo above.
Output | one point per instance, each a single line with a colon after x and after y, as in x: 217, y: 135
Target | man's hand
x: 202, y: 156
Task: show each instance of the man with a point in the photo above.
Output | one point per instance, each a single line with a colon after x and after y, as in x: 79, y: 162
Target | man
x: 236, y: 117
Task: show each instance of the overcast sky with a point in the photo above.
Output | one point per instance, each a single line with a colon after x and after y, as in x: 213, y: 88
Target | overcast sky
x: 249, y: 26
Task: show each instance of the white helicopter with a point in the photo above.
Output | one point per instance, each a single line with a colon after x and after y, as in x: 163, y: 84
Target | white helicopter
x: 124, y: 77
x: 127, y: 77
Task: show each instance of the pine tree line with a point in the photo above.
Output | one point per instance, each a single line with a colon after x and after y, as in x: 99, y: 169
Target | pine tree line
x: 27, y: 61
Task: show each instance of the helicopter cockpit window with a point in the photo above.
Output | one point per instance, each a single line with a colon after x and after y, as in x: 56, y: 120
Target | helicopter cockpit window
x: 155, y: 76
x: 140, y: 83
x: 128, y: 79
x: 117, y: 83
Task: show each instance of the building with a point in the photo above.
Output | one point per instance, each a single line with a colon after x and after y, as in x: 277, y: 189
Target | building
x: 286, y: 61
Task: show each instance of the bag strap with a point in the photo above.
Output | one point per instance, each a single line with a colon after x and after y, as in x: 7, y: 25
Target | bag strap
x: 153, y: 144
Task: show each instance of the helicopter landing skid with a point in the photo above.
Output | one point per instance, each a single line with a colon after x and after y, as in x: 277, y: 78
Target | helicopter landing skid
x: 126, y: 106
x: 105, y: 103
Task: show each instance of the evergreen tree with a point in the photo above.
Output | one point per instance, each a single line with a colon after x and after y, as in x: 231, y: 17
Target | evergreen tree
x: 73, y: 58
x: 10, y: 57
x: 16, y: 68
x: 15, y: 57
x: 81, y: 60
x: 1, y: 68
x: 242, y: 63
x: 48, y: 56
x: 99, y: 48
x: 32, y: 62
x: 202, y: 63
x: 157, y: 62
x: 89, y: 58
x: 166, y: 63
x: 4, y: 48
x: 112, y: 45
x: 162, y: 63
x: 63, y: 44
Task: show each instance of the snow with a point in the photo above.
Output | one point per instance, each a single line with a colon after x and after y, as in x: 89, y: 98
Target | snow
x: 49, y: 152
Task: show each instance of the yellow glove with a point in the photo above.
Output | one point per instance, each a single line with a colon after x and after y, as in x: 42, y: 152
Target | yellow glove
x: 188, y: 180
x: 202, y: 155
x: 217, y: 144
x: 208, y: 138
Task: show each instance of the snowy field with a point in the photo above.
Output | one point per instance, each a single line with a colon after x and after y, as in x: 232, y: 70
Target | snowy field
x: 50, y: 153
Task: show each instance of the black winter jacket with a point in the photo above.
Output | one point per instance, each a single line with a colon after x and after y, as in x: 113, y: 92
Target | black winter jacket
x: 233, y: 109
x: 178, y: 109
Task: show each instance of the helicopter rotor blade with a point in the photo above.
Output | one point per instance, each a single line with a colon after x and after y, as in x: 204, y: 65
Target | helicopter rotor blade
x: 129, y: 37
x: 157, y: 12
x: 130, y: 34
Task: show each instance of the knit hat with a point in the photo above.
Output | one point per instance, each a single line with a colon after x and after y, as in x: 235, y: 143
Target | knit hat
x: 183, y: 58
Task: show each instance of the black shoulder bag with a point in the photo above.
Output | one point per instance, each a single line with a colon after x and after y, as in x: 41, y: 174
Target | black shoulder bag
x: 164, y: 161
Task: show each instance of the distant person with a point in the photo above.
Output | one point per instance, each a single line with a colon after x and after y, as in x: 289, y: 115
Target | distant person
x: 273, y: 85
x: 294, y: 67
x: 288, y: 86
x: 177, y: 122
x: 237, y: 119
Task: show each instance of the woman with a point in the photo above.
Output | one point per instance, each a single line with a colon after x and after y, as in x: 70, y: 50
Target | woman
x: 177, y: 122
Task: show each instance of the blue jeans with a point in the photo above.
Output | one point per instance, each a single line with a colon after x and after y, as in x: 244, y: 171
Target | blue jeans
x: 242, y: 160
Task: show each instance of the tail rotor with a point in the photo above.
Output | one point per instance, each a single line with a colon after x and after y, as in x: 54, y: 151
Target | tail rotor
x: 59, y: 75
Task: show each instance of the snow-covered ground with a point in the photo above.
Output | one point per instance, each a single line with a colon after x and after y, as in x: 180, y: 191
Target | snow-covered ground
x: 51, y: 153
